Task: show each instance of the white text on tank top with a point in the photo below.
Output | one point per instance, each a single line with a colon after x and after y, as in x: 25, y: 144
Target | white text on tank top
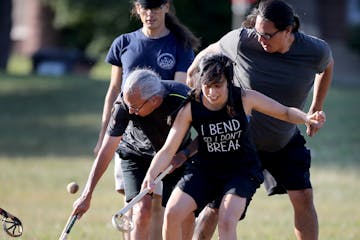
x: 222, y: 136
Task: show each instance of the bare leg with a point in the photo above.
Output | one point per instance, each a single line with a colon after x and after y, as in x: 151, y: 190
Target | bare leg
x: 231, y: 209
x: 206, y: 224
x: 179, y: 207
x: 188, y: 227
x: 142, y: 219
x: 306, y: 222
x: 157, y: 217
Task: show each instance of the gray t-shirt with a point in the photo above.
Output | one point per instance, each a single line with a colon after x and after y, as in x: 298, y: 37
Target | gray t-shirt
x: 287, y: 78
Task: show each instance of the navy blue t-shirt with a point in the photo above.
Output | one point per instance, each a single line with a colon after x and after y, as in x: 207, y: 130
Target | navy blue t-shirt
x: 163, y: 55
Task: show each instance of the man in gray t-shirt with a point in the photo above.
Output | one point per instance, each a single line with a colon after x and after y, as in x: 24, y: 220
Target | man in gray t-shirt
x: 273, y: 57
x: 287, y: 77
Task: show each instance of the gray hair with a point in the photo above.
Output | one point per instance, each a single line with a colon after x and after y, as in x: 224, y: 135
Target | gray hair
x: 144, y: 81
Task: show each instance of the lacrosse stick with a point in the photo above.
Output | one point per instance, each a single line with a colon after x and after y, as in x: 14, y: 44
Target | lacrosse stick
x: 11, y: 224
x: 70, y: 223
x: 122, y: 222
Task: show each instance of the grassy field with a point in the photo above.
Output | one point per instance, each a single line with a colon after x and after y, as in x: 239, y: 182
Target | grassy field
x: 48, y: 127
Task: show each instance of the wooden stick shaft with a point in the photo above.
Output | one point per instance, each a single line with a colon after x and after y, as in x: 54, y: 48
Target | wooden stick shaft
x: 143, y: 192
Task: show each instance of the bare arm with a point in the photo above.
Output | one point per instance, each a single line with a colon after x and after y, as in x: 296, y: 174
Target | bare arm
x: 185, y: 153
x: 212, y: 48
x: 182, y: 156
x: 101, y: 162
x: 173, y: 141
x: 111, y: 95
x: 254, y: 100
x: 321, y: 86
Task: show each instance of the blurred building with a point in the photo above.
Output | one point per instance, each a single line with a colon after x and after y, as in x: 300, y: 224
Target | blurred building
x: 32, y: 27
x: 33, y: 35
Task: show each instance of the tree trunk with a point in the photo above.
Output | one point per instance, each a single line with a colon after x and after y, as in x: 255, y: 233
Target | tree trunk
x: 5, y: 29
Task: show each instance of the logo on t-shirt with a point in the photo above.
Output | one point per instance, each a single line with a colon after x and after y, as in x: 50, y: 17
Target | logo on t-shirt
x: 166, y: 61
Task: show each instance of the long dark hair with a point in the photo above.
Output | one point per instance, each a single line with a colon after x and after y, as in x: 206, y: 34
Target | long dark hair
x: 181, y: 32
x: 276, y: 11
x: 211, y: 69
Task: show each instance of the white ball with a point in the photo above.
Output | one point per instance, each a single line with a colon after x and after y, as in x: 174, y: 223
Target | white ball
x: 72, y: 187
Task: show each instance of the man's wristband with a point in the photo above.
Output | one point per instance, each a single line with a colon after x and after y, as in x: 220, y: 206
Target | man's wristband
x: 186, y: 152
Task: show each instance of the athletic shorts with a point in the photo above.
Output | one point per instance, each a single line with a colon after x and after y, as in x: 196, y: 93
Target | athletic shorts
x: 289, y: 167
x: 134, y: 170
x: 205, y: 188
x: 118, y: 175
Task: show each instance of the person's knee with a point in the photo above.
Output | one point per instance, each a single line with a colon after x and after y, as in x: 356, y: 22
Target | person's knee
x: 208, y: 216
x: 211, y: 212
x: 225, y: 224
x: 170, y: 213
x: 142, y: 213
x: 206, y: 223
x: 302, y: 198
x: 173, y: 214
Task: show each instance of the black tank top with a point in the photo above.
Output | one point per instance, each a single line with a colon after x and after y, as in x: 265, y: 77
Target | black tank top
x: 225, y: 142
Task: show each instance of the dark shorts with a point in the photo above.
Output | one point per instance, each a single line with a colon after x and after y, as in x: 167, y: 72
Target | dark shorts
x: 134, y: 169
x: 170, y: 181
x: 204, y: 188
x: 290, y: 167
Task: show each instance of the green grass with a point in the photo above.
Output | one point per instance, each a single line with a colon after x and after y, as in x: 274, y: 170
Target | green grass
x: 48, y: 127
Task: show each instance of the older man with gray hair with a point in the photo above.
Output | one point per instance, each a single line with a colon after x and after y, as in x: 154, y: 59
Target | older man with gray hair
x: 140, y: 124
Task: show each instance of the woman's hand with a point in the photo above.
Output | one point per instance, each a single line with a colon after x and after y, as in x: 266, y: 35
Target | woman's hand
x: 315, y: 122
x: 148, y: 183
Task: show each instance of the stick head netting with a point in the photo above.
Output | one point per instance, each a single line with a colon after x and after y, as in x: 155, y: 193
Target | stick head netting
x: 12, y: 226
x: 122, y: 223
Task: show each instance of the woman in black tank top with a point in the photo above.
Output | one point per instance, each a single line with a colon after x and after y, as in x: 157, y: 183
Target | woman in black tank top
x: 226, y: 168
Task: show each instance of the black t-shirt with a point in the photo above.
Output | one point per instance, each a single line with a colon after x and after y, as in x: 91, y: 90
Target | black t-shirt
x: 146, y: 135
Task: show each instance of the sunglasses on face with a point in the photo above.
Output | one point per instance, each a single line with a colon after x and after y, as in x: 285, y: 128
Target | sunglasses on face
x: 266, y: 36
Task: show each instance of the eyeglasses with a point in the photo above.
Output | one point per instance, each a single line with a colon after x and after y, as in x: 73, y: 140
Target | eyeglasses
x: 137, y: 109
x: 266, y: 36
x: 156, y: 10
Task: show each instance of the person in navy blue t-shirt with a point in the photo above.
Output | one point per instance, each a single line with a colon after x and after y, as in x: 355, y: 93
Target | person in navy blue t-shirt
x: 163, y: 45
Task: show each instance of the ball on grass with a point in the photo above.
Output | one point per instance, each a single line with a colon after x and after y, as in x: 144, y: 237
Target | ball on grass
x: 72, y: 187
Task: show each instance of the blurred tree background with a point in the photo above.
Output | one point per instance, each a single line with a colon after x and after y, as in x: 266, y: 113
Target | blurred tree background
x: 91, y: 25
x: 5, y: 29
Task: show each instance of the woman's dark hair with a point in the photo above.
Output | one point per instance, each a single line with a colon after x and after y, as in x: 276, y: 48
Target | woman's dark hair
x: 181, y: 32
x: 276, y: 11
x: 211, y: 69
